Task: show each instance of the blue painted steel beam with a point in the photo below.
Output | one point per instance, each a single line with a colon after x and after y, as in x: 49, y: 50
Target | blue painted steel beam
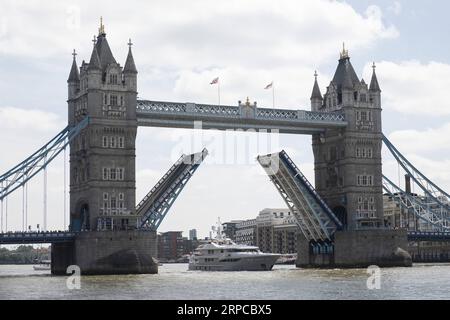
x: 36, y: 237
x: 27, y: 169
x: 416, y: 206
x: 157, y: 203
x: 430, y: 188
x: 428, y: 236
x: 314, y: 218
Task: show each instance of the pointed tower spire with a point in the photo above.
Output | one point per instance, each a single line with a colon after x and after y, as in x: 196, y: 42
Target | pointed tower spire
x: 94, y: 62
x: 347, y: 82
x: 316, y: 94
x: 74, y: 75
x: 374, y: 86
x: 130, y: 66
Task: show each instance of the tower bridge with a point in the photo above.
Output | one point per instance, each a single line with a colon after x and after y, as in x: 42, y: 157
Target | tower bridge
x: 340, y: 218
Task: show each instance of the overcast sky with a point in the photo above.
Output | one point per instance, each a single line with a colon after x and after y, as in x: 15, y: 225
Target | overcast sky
x: 180, y: 46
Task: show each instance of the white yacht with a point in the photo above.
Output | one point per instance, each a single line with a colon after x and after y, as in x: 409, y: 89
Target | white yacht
x: 222, y: 254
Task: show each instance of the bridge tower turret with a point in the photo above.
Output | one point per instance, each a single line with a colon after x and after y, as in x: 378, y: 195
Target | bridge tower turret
x: 316, y: 96
x: 348, y: 172
x: 102, y: 157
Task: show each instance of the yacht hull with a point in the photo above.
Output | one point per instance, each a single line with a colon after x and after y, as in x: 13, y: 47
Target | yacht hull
x: 257, y: 263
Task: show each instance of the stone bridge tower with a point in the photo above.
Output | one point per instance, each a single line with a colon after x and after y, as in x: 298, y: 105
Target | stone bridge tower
x: 102, y: 157
x: 348, y: 165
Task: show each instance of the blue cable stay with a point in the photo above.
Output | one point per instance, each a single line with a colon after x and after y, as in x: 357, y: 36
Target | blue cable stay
x: 438, y: 195
x: 27, y: 169
x: 156, y: 204
x: 413, y: 203
x: 314, y: 218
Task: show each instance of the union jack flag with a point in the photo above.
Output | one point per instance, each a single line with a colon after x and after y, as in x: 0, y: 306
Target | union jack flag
x: 269, y: 86
x: 216, y: 80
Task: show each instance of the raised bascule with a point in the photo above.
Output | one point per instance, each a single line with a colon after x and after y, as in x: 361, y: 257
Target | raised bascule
x: 340, y: 218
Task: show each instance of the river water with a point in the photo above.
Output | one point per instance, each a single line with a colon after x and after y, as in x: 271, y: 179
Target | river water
x: 423, y: 281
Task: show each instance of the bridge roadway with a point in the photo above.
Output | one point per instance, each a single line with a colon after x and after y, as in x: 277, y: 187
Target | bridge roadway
x: 36, y: 237
x: 64, y: 236
x: 183, y: 115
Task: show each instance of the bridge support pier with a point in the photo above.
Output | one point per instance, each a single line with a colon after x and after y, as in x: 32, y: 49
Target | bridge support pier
x: 108, y: 252
x: 358, y: 249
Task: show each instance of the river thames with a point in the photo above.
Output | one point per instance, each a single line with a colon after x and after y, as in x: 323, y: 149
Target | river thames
x: 423, y: 281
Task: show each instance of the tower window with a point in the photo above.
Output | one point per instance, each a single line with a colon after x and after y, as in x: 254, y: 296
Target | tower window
x: 113, y: 100
x: 113, y: 202
x: 363, y: 116
x: 112, y: 174
x: 105, y: 142
x: 113, y: 142
x: 121, y: 142
x: 105, y: 173
x: 113, y: 78
x: 120, y: 174
x: 364, y: 180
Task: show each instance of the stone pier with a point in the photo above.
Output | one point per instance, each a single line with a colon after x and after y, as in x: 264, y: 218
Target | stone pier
x: 108, y: 252
x: 359, y: 249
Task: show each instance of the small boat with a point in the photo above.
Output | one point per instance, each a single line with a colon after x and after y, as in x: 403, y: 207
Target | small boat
x: 287, y: 259
x: 43, y: 265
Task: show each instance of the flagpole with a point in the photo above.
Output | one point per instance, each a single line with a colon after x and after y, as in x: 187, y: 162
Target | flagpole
x: 218, y: 90
x: 273, y: 95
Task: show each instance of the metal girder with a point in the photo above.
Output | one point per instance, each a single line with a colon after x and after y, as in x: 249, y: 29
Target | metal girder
x: 183, y: 115
x: 428, y: 236
x: 27, y: 169
x: 36, y: 237
x: 431, y: 189
x: 155, y: 205
x: 314, y: 218
x: 414, y: 204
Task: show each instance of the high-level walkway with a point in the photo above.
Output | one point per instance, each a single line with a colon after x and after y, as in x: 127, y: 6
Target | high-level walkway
x: 183, y: 115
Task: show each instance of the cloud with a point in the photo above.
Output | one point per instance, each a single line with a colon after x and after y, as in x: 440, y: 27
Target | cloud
x: 31, y: 120
x: 204, y: 34
x: 429, y: 140
x: 412, y: 87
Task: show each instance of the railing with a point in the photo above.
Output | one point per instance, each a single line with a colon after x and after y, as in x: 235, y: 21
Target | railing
x: 161, y: 107
x: 36, y: 237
